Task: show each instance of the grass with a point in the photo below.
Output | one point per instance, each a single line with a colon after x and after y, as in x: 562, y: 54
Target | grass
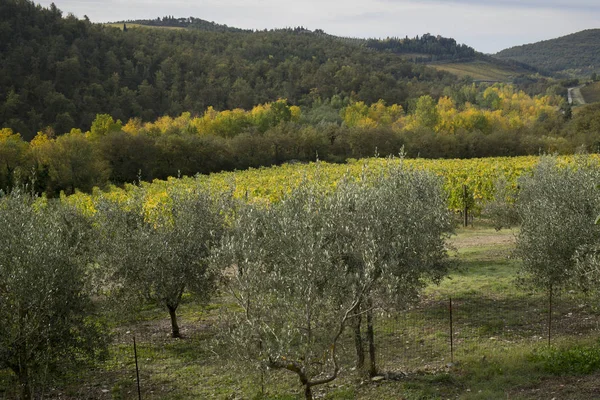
x: 499, y: 337
x: 591, y: 92
x: 478, y: 70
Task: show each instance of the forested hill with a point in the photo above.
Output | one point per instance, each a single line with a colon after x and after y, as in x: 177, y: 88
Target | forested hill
x: 423, y: 48
x: 577, y: 54
x: 189, y: 22
x: 61, y: 71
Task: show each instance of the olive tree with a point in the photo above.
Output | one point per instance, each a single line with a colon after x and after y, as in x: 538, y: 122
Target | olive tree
x: 557, y: 206
x: 393, y: 231
x: 46, y: 317
x: 501, y: 210
x: 296, y: 296
x: 157, y: 254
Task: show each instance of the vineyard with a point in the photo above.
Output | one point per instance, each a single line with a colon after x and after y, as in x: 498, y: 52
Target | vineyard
x: 269, y: 185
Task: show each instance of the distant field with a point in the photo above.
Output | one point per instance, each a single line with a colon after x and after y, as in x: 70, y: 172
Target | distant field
x: 412, y: 56
x: 477, y: 70
x: 120, y: 26
x: 591, y: 93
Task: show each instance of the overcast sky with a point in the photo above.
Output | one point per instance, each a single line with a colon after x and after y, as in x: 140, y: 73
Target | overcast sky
x: 486, y: 25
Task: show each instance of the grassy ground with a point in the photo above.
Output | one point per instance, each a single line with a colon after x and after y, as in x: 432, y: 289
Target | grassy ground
x: 591, y: 92
x: 499, y: 336
x: 478, y: 70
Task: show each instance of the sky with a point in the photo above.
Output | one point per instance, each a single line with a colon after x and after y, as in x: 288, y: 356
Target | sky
x: 487, y: 25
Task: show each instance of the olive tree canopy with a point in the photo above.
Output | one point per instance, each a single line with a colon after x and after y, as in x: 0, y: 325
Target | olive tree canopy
x: 557, y: 206
x: 155, y: 247
x: 46, y: 316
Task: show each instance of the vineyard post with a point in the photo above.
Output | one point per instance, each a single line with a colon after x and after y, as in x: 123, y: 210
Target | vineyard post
x: 549, y: 315
x: 137, y: 370
x: 451, y: 332
x: 466, y: 205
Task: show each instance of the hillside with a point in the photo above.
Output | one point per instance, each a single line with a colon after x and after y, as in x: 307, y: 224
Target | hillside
x: 484, y: 69
x: 61, y: 71
x: 577, y: 54
x: 591, y: 92
x: 441, y: 53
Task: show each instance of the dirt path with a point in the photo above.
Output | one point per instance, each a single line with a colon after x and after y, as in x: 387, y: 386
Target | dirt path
x: 575, y: 96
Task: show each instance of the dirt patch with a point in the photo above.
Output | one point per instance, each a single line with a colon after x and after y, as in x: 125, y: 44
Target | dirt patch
x: 500, y: 239
x: 569, y: 388
x: 575, y: 96
x: 159, y: 331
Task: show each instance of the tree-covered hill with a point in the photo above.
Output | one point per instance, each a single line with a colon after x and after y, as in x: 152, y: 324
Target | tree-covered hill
x: 61, y: 71
x: 577, y: 54
x: 426, y: 48
x: 189, y: 22
x: 429, y: 47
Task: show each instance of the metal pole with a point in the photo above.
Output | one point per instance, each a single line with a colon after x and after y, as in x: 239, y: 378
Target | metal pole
x: 550, y: 316
x: 451, y: 333
x: 466, y: 210
x: 137, y: 370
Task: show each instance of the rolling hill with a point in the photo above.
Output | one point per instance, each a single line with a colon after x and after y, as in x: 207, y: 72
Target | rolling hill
x: 576, y: 55
x: 60, y: 72
x: 441, y: 53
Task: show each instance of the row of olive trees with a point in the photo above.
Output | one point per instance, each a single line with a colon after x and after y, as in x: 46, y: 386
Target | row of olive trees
x: 54, y: 261
x: 304, y: 272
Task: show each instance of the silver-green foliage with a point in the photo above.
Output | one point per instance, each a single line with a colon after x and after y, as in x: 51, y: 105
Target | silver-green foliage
x: 46, y: 319
x: 501, y: 210
x: 557, y: 206
x: 296, y: 297
x: 158, y: 258
x: 300, y: 269
x: 392, y: 232
x: 394, y: 229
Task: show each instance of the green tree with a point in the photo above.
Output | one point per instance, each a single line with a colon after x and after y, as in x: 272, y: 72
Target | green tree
x: 557, y: 206
x: 242, y: 95
x: 158, y: 255
x: 393, y: 234
x: 14, y: 156
x: 426, y: 113
x: 293, y: 292
x: 103, y: 124
x: 73, y: 162
x: 129, y: 157
x: 47, y: 322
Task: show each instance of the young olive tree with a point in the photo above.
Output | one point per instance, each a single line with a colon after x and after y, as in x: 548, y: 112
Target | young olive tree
x: 281, y: 267
x: 557, y: 206
x: 393, y: 232
x: 501, y: 210
x: 46, y: 317
x: 157, y: 256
